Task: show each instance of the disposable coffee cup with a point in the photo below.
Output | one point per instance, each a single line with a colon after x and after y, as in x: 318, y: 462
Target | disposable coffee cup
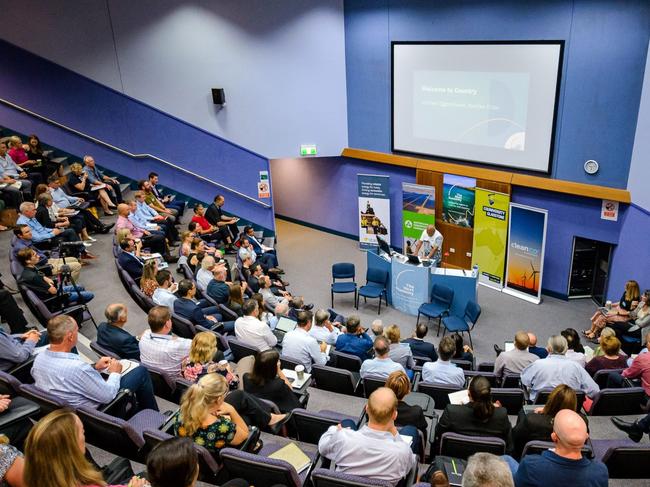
x: 300, y: 372
x: 608, y: 304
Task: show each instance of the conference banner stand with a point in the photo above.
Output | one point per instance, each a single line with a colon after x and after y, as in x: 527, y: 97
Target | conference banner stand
x: 526, y: 242
x: 418, y: 211
x: 374, y: 209
x: 490, y: 236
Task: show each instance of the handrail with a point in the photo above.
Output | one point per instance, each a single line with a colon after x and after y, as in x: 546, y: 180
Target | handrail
x: 130, y: 154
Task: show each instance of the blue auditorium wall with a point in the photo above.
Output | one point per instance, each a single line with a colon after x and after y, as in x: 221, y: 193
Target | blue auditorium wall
x: 96, y: 110
x: 605, y: 52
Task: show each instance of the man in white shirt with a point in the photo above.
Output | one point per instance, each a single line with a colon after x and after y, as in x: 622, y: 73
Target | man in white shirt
x: 443, y: 371
x: 517, y: 359
x: 158, y: 348
x: 376, y: 451
x: 382, y: 365
x: 164, y: 293
x: 298, y: 344
x: 429, y: 245
x: 250, y: 330
x: 324, y: 330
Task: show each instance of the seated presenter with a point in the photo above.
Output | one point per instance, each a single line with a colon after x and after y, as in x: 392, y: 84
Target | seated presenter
x: 429, y: 245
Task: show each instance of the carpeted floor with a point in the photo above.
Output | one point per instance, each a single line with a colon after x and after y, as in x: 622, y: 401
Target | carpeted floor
x: 307, y: 256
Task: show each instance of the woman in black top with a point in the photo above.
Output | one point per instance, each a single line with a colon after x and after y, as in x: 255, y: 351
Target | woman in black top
x: 35, y: 153
x: 479, y: 417
x: 463, y: 352
x: 538, y: 425
x: 45, y: 217
x: 619, y: 312
x: 267, y: 381
x: 407, y: 415
x: 236, y: 299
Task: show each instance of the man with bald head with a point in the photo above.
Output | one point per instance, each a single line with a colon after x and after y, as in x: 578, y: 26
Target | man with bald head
x: 517, y: 359
x: 429, y: 245
x: 541, y: 352
x: 563, y: 465
x: 376, y: 451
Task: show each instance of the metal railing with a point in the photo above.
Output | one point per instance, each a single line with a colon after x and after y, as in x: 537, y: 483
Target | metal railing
x: 130, y: 154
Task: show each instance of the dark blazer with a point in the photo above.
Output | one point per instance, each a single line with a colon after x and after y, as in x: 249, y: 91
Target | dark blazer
x: 408, y: 415
x: 531, y: 427
x: 130, y: 264
x: 213, y: 214
x: 276, y: 391
x: 461, y: 419
x: 422, y: 348
x: 43, y: 217
x: 118, y: 341
x: 219, y: 291
x: 192, y: 311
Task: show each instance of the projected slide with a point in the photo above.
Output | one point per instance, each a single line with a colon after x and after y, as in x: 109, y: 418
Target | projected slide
x: 486, y: 109
x: 492, y: 103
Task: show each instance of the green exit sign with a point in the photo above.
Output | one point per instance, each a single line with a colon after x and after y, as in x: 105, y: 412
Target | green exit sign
x: 308, y: 150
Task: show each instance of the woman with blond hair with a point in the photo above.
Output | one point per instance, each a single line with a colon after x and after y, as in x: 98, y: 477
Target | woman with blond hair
x: 78, y: 182
x: 399, y: 352
x: 620, y: 312
x: 148, y: 283
x: 213, y: 417
x: 200, y: 360
x: 55, y: 454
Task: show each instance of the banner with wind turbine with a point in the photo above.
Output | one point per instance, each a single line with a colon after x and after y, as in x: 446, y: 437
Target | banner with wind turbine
x: 526, y: 242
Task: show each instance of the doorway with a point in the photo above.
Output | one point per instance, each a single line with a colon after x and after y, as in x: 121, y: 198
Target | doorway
x: 589, y: 269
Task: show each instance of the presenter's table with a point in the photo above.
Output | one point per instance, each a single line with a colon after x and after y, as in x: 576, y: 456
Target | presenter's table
x: 410, y: 285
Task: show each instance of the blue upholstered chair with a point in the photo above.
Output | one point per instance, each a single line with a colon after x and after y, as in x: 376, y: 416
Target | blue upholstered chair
x: 457, y: 324
x: 376, y: 280
x: 343, y: 270
x: 441, y: 299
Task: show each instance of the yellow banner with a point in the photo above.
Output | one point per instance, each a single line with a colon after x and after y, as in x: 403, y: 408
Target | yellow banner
x: 491, y: 212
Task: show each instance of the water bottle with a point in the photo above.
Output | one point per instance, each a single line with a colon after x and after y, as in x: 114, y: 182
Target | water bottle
x: 474, y: 270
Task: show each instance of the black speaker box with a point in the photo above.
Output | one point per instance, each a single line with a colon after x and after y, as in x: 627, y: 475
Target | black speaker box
x: 218, y: 96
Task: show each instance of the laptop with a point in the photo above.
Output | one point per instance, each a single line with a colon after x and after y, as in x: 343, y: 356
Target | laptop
x: 284, y: 326
x: 507, y: 346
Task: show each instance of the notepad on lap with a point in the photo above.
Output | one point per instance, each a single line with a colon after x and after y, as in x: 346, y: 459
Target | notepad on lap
x: 459, y: 397
x: 293, y: 455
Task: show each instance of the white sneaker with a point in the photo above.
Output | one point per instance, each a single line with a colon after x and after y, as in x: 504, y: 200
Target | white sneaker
x: 87, y: 244
x: 90, y: 239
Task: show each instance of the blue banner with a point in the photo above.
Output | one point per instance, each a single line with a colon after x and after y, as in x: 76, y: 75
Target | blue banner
x: 410, y: 286
x: 374, y: 209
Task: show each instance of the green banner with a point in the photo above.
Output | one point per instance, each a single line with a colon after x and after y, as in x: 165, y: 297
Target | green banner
x: 418, y: 211
x: 490, y: 236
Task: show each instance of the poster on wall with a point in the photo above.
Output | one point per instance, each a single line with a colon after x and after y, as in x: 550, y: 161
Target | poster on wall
x: 458, y: 200
x: 490, y: 236
x: 418, y: 211
x: 526, y: 242
x: 374, y: 209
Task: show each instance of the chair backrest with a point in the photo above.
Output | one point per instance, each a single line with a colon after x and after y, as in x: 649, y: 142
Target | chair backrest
x: 463, y: 446
x: 289, y: 362
x: 627, y: 462
x: 490, y: 376
x: 139, y: 298
x: 512, y: 399
x: 420, y: 361
x: 41, y: 311
x: 334, y: 379
x: 227, y: 313
x: 23, y: 371
x: 511, y: 380
x: 343, y: 270
x: 371, y: 384
x: 472, y: 312
x: 240, y: 349
x: 47, y: 402
x: 101, y: 351
x: 542, y: 397
x: 258, y: 470
x: 310, y: 426
x: 110, y: 433
x: 183, y: 327
x: 442, y: 294
x: 163, y: 385
x: 322, y: 477
x: 439, y: 393
x: 186, y: 271
x: 346, y: 361
x: 15, y: 268
x: 463, y: 364
x: 601, y: 376
x: 376, y: 277
x: 9, y: 384
x: 609, y: 402
x: 537, y: 447
x: 485, y: 367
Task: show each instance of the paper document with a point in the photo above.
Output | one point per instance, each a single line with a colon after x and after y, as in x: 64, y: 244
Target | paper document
x: 459, y: 397
x: 293, y: 455
x: 98, y: 187
x: 408, y: 439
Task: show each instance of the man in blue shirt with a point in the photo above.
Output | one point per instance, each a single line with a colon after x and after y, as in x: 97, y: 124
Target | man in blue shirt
x: 382, y: 365
x: 146, y: 213
x: 96, y: 177
x: 443, y: 371
x: 356, y: 341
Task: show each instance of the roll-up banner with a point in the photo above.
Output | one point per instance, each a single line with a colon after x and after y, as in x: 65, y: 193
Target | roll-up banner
x: 458, y: 200
x: 490, y: 236
x: 526, y: 242
x: 374, y: 209
x: 418, y: 211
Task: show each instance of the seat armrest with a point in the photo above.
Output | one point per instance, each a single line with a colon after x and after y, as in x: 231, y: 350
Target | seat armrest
x: 122, y: 406
x: 304, y: 399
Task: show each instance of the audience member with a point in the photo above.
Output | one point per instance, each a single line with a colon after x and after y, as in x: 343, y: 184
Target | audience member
x: 148, y: 283
x: 638, y: 319
x: 151, y: 199
x: 155, y: 242
x: 575, y: 350
x: 227, y: 225
x: 419, y: 347
x: 538, y: 424
x: 407, y: 415
x: 168, y: 200
x: 377, y: 328
x: 143, y: 213
x: 204, y: 228
x: 259, y: 247
x: 463, y: 352
x: 173, y: 463
x: 66, y: 376
x: 204, y: 358
x: 158, y: 347
x: 486, y: 470
x: 612, y: 358
x: 605, y: 332
x: 557, y: 369
x: 198, y: 251
x: 267, y: 381
x: 264, y: 286
x: 205, y: 274
x: 80, y: 185
x: 16, y: 180
x: 399, y: 352
x: 129, y: 257
x: 15, y: 429
x: 541, y: 352
x: 443, y: 371
x: 356, y: 341
x: 376, y: 451
x: 250, y: 330
x: 634, y: 429
x: 638, y: 369
x: 36, y: 153
x: 112, y: 336
x: 382, y: 365
x: 299, y: 345
x: 517, y: 359
x: 11, y: 464
x: 236, y: 299
x: 281, y: 311
x: 50, y: 216
x: 211, y: 416
x: 11, y: 313
x: 164, y: 295
x: 44, y: 237
x: 479, y: 417
x: 98, y: 179
x: 619, y: 312
x: 218, y: 290
x: 324, y: 330
x: 15, y: 350
x: 55, y: 454
x: 563, y: 465
x: 197, y: 311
